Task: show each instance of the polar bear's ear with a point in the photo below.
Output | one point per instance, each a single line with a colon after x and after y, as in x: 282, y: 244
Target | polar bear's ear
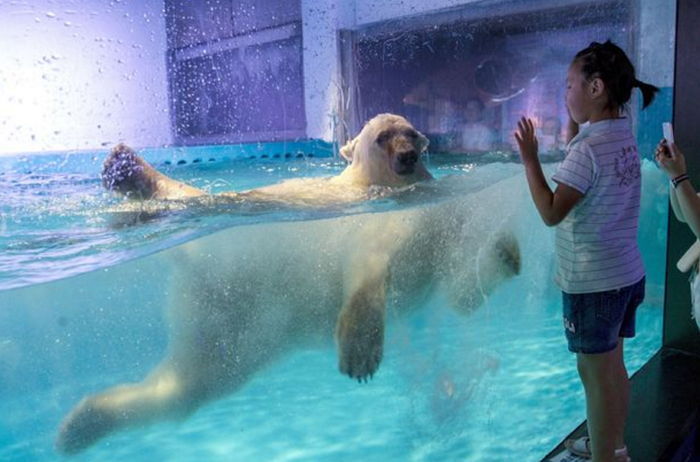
x: 424, y: 142
x: 348, y: 150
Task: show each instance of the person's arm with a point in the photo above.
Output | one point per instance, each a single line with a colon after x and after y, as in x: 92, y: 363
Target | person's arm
x: 687, y: 203
x: 675, y: 206
x: 670, y: 166
x: 552, y: 206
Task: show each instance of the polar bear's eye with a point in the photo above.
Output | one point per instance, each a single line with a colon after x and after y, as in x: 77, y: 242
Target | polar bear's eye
x: 383, y: 137
x: 411, y: 134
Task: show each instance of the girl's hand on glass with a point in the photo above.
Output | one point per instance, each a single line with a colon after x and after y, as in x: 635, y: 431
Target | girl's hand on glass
x: 670, y: 159
x: 527, y: 141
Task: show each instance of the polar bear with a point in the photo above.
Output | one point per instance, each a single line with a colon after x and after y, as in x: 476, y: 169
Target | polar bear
x: 244, y: 296
x: 385, y: 153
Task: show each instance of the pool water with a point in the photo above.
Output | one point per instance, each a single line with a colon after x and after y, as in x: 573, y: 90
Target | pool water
x: 56, y: 219
x: 82, y: 308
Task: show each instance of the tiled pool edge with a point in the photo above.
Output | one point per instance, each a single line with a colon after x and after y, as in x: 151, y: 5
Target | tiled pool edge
x: 90, y: 161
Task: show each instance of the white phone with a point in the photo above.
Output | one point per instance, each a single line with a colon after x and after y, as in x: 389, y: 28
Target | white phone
x: 668, y: 132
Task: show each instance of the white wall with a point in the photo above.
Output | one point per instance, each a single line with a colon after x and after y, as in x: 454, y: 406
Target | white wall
x: 82, y: 74
x: 321, y: 20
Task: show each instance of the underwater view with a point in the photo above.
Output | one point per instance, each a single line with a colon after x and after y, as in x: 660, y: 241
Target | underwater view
x: 451, y: 384
x: 298, y: 231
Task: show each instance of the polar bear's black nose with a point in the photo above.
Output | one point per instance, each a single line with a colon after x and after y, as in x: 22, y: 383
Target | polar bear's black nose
x: 408, y: 157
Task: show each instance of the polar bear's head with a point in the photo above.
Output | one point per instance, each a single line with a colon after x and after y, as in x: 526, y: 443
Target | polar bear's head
x: 386, y: 152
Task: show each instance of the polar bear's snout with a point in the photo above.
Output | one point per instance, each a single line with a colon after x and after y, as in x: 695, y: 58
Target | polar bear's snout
x: 404, y: 148
x: 405, y: 162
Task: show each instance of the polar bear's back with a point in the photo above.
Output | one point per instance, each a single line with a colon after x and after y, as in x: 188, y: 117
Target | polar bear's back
x: 245, y: 274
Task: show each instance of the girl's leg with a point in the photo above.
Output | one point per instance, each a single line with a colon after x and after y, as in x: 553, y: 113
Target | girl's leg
x: 606, y: 385
x: 624, y: 390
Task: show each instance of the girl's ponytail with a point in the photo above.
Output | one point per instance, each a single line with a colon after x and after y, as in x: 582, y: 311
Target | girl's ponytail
x: 648, y: 92
x: 609, y: 62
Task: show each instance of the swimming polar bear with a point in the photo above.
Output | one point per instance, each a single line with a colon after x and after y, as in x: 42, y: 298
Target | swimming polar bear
x: 386, y: 153
x: 244, y: 296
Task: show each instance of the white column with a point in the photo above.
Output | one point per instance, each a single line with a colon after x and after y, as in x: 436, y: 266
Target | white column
x: 321, y: 20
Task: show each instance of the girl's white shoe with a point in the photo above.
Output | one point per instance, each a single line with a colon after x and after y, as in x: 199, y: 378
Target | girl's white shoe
x: 581, y: 447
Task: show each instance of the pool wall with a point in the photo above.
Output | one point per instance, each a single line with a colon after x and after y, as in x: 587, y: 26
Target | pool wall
x: 90, y: 162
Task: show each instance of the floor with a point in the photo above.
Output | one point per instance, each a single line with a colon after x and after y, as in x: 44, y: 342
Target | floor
x: 664, y: 412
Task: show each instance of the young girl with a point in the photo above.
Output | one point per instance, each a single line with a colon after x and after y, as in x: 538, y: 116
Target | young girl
x: 595, y: 207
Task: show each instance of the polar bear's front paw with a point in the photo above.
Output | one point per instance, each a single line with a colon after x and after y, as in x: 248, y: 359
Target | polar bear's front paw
x: 360, y: 336
x: 86, y: 424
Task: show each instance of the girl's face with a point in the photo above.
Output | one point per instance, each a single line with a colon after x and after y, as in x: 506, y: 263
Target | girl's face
x: 578, y: 98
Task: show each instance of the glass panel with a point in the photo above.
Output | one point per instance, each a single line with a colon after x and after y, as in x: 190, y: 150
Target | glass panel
x: 247, y: 263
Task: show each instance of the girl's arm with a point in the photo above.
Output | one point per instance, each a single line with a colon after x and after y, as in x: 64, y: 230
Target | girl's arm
x: 552, y: 206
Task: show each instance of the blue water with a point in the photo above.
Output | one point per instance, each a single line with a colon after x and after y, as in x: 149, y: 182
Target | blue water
x: 496, y: 385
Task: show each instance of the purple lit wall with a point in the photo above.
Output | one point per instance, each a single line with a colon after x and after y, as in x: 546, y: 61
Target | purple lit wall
x: 82, y: 74
x: 235, y: 70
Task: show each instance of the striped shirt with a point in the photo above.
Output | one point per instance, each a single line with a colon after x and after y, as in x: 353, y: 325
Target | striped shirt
x: 597, y: 241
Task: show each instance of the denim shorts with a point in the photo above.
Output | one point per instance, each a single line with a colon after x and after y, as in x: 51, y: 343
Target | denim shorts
x: 593, y: 322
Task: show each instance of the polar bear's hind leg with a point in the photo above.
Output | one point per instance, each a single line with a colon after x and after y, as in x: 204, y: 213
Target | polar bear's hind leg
x: 162, y: 395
